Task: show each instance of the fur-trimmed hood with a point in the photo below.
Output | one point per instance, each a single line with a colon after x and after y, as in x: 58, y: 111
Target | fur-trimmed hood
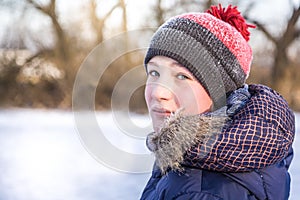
x: 256, y: 131
x: 179, y: 133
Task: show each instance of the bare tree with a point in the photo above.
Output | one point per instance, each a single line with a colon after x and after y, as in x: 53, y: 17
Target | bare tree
x: 208, y: 4
x: 98, y: 23
x: 282, y: 69
x: 61, y: 54
x: 49, y: 10
x: 161, y: 12
x: 124, y: 15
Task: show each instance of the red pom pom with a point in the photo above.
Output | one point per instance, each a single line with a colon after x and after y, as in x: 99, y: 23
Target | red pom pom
x: 232, y: 16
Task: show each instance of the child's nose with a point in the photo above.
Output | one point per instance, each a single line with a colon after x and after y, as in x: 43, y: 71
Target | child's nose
x: 161, y: 92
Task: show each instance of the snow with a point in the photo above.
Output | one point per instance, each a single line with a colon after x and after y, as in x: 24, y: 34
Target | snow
x: 42, y: 156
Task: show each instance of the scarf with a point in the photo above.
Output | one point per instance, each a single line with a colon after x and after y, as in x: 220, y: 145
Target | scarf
x: 254, y: 130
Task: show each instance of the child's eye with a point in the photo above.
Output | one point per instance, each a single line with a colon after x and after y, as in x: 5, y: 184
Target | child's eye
x: 182, y: 77
x: 153, y: 73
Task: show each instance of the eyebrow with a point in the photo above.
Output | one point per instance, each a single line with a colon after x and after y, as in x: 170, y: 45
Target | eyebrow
x: 177, y: 64
x: 152, y: 63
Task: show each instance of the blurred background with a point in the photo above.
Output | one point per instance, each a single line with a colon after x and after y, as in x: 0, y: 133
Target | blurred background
x: 43, y: 43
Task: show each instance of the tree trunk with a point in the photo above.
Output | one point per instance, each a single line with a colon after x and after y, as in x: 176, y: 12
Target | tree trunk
x: 282, y: 78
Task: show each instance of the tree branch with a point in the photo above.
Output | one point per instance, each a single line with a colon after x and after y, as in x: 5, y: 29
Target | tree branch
x: 48, y: 9
x: 37, y: 6
x: 291, y: 31
x: 43, y: 53
x: 263, y: 29
x: 297, y: 33
x: 110, y: 11
x: 259, y: 26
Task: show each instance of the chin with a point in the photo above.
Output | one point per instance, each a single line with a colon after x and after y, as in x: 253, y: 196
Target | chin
x: 157, y: 124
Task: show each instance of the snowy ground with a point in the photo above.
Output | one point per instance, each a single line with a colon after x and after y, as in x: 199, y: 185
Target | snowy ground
x: 42, y: 158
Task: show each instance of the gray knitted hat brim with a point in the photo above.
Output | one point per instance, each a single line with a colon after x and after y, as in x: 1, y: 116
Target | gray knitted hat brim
x: 202, y: 53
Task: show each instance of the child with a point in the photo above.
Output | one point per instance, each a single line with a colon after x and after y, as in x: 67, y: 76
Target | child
x: 214, y: 137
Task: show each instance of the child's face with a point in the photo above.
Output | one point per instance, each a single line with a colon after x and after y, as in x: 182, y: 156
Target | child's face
x: 171, y: 86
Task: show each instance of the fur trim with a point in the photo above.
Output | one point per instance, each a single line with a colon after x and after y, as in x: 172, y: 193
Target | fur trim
x: 178, y: 134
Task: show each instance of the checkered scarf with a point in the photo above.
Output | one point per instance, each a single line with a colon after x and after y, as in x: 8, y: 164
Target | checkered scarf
x: 259, y: 132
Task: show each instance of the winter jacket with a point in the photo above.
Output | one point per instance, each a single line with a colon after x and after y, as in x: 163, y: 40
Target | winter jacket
x: 248, y: 159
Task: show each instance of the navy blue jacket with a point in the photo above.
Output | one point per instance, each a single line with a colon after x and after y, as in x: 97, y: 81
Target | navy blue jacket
x: 271, y: 183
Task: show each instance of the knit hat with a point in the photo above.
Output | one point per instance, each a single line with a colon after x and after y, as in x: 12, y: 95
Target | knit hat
x: 212, y: 46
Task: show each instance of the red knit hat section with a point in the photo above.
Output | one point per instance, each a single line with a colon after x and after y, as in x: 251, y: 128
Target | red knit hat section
x: 230, y: 28
x: 232, y: 16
